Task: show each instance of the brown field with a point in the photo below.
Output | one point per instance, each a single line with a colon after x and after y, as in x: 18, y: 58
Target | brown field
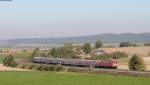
x: 4, y: 68
x: 141, y: 51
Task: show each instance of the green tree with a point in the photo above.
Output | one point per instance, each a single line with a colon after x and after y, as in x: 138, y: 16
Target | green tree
x: 125, y: 44
x: 53, y: 53
x: 61, y: 52
x: 137, y: 63
x: 118, y: 55
x: 9, y: 61
x: 43, y: 54
x: 69, y: 52
x: 87, y: 48
x: 36, y: 53
x: 98, y: 44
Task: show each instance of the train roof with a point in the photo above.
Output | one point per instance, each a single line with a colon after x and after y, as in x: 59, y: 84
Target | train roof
x: 70, y: 59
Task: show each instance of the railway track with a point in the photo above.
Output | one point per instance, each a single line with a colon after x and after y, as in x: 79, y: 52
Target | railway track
x: 115, y: 71
x: 106, y: 71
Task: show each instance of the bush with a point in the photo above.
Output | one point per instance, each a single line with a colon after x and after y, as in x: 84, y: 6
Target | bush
x: 114, y: 55
x: 118, y: 55
x: 20, y: 65
x: 147, y: 44
x: 30, y: 66
x: 137, y: 63
x: 56, y: 68
x: 9, y: 61
x: 49, y: 68
x: 46, y: 68
x: 60, y: 68
x: 101, y: 57
x: 13, y: 64
x: 125, y: 44
x: 23, y: 66
x: 40, y: 67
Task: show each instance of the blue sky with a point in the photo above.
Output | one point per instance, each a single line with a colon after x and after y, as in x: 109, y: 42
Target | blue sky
x: 63, y: 18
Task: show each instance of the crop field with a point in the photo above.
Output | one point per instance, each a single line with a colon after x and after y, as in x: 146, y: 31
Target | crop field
x: 143, y: 51
x: 49, y: 78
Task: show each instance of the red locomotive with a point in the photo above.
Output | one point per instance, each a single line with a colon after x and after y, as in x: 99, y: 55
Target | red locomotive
x: 77, y: 62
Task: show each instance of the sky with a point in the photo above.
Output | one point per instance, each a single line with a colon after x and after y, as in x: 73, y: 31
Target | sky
x: 66, y: 18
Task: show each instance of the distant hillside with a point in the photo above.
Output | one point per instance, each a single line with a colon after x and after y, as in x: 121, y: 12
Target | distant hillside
x: 107, y: 38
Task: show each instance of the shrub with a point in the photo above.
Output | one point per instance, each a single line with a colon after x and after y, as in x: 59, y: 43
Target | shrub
x: 118, y: 55
x: 137, y: 63
x: 125, y: 44
x: 147, y: 44
x: 24, y: 65
x: 60, y: 68
x: 98, y: 44
x: 40, y: 67
x: 49, y: 68
x: 114, y: 55
x: 100, y: 57
x: 20, y: 65
x: 9, y: 61
x: 46, y: 68
x: 30, y: 66
x: 13, y: 64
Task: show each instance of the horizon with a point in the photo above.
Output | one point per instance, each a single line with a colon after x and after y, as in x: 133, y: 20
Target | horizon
x: 73, y: 36
x: 30, y: 19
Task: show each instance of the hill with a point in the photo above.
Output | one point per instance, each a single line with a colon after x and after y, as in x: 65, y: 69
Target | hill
x: 107, y: 38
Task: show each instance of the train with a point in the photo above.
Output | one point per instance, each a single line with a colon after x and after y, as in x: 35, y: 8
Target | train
x: 77, y: 62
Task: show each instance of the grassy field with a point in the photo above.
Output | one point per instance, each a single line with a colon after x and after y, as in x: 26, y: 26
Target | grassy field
x: 48, y: 78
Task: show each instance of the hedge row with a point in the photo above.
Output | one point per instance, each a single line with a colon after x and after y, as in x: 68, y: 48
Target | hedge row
x: 41, y: 67
x: 58, y: 68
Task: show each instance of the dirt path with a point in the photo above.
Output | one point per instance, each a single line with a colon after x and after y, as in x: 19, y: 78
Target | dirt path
x: 3, y: 68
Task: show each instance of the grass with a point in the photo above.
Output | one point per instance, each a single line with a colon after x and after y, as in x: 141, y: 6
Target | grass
x: 1, y: 59
x: 49, y: 78
x: 23, y: 54
x: 19, y: 55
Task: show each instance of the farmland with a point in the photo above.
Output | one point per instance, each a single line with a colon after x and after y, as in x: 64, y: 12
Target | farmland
x: 49, y: 78
x: 143, y: 51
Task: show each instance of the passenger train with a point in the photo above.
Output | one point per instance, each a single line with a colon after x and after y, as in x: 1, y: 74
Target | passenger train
x: 77, y: 62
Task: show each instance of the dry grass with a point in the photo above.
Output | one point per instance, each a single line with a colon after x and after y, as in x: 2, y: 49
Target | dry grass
x: 141, y: 51
x: 3, y: 68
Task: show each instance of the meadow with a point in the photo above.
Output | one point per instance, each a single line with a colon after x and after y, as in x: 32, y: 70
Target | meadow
x: 53, y: 78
